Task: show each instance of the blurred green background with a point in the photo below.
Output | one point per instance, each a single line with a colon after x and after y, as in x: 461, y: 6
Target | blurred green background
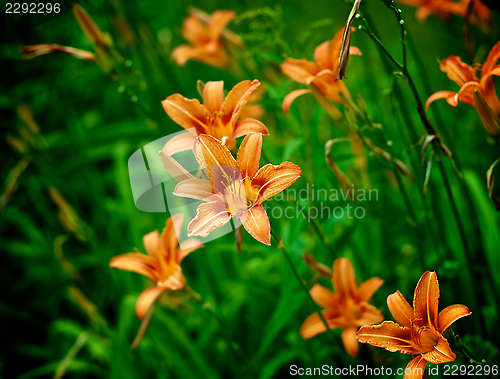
x: 89, y: 122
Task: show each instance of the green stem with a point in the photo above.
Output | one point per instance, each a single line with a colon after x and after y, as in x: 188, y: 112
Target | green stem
x: 301, y: 281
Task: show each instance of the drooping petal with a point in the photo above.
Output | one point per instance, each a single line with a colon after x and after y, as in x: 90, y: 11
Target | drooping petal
x: 441, y: 95
x: 458, y: 71
x: 274, y: 179
x: 426, y: 300
x: 236, y: 100
x: 146, y: 298
x: 213, y: 95
x: 368, y: 288
x: 182, y: 142
x: 183, y: 53
x: 290, y: 98
x: 400, y: 309
x: 415, y: 369
x: 151, y: 242
x: 313, y: 325
x: 135, y: 262
x: 299, y: 70
x: 256, y: 223
x: 370, y: 315
x: 217, y: 162
x: 187, y: 247
x: 491, y: 61
x: 441, y: 352
x: 249, y: 155
x: 389, y: 336
x: 185, y: 112
x: 249, y: 125
x: 198, y: 189
x: 218, y: 21
x: 344, y: 281
x: 324, y: 297
x: 349, y: 340
x: 209, y: 216
x: 169, y: 234
x: 451, y: 314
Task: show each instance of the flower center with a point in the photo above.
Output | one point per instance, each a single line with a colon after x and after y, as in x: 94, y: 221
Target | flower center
x: 239, y: 195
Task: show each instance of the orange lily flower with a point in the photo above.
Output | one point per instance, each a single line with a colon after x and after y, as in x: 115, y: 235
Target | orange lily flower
x: 161, y: 264
x: 236, y: 188
x: 420, y: 330
x: 218, y: 116
x: 465, y: 76
x: 204, y: 33
x: 347, y: 308
x: 322, y: 73
x: 446, y: 8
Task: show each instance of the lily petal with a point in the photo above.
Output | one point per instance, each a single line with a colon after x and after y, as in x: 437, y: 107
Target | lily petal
x: 368, y: 288
x: 313, y: 325
x: 146, y: 298
x: 299, y: 70
x: 457, y: 70
x: 415, y: 369
x: 487, y: 86
x: 187, y: 247
x: 491, y: 60
x: 218, y: 21
x: 349, y: 340
x: 135, y: 262
x: 370, y: 315
x: 182, y: 142
x: 344, y: 281
x: 249, y: 125
x: 198, y: 189
x: 169, y: 234
x: 236, y: 100
x: 290, y: 98
x: 327, y: 83
x: 216, y: 160
x: 323, y: 54
x: 274, y: 179
x: 324, y: 297
x: 174, y: 168
x: 400, y: 309
x: 188, y: 113
x: 209, y: 216
x: 388, y: 335
x: 249, y: 155
x: 441, y: 352
x: 151, y: 242
x: 441, y: 95
x: 451, y: 314
x: 426, y: 301
x: 256, y: 223
x: 195, y: 30
x: 213, y: 95
x: 183, y: 53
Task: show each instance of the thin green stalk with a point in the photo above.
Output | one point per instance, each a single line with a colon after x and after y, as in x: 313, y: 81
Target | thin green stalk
x: 301, y: 281
x: 430, y: 130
